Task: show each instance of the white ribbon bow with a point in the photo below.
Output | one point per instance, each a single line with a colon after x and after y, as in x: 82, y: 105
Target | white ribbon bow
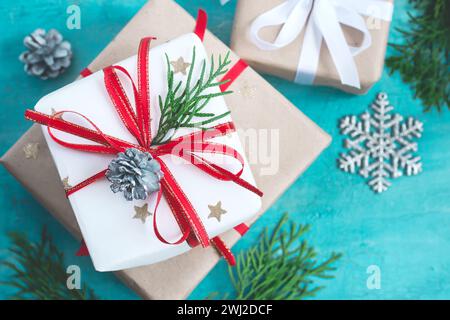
x: 323, y: 19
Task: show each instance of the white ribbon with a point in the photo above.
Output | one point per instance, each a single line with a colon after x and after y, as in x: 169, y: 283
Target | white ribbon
x: 323, y: 19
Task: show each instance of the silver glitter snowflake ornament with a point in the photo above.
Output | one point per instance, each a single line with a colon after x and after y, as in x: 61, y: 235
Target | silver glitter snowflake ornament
x: 135, y: 173
x: 381, y: 145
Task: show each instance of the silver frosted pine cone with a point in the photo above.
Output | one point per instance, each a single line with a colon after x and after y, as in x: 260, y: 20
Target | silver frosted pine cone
x: 135, y: 173
x: 48, y: 55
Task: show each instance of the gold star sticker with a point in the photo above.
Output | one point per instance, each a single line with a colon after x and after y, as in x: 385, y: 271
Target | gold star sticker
x: 53, y: 111
x: 31, y: 150
x: 141, y: 212
x: 179, y: 65
x: 247, y: 91
x: 216, y: 211
x: 66, y: 183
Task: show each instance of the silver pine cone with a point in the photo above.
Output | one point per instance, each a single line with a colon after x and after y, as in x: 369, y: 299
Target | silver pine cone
x: 47, y: 55
x: 135, y: 173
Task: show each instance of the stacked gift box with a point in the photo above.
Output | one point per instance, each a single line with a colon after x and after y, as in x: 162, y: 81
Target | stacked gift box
x: 159, y: 270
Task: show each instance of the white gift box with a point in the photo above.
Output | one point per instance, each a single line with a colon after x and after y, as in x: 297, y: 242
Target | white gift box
x: 114, y: 238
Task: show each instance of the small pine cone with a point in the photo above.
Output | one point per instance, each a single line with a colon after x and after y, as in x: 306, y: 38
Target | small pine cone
x: 135, y: 173
x: 47, y: 56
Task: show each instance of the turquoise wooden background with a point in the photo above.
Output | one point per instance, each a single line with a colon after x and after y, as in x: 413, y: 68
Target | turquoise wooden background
x: 405, y: 231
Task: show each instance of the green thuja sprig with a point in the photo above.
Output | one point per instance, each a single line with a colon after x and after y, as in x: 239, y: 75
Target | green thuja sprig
x: 38, y: 272
x: 423, y: 58
x: 281, y: 266
x: 183, y: 104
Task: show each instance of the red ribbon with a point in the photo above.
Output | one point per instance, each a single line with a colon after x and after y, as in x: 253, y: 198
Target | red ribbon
x: 85, y: 72
x: 188, y: 147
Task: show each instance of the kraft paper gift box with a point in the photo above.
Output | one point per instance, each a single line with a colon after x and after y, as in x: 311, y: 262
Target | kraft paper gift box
x: 300, y: 47
x: 283, y: 121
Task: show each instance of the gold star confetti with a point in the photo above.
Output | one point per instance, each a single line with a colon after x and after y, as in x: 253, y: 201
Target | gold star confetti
x: 247, y: 91
x: 179, y: 65
x: 216, y: 211
x: 141, y: 212
x: 31, y: 150
x: 66, y: 183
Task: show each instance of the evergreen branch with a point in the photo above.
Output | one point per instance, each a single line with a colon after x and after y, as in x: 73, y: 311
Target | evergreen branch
x: 38, y: 271
x: 280, y: 266
x: 184, y: 103
x: 423, y: 58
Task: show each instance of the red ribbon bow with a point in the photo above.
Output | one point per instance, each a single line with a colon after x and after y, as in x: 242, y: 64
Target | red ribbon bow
x: 189, y: 147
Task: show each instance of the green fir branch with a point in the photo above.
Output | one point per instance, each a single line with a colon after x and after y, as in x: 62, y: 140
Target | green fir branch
x: 184, y: 103
x: 281, y: 266
x: 38, y: 271
x: 423, y: 58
